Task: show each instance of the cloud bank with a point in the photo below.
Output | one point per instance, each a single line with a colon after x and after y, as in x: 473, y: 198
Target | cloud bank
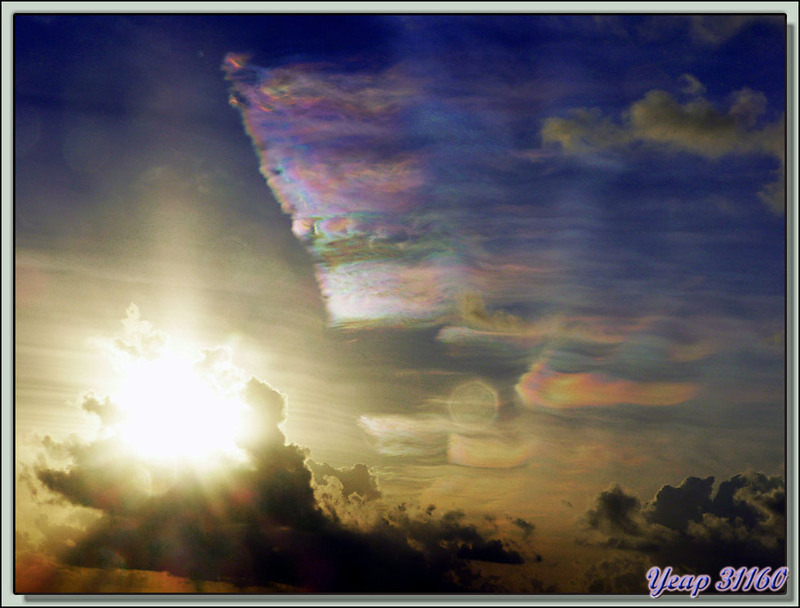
x: 695, y: 529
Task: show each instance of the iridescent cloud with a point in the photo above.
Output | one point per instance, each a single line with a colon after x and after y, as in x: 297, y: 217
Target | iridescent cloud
x: 391, y: 185
x: 565, y: 252
x: 336, y: 153
x: 488, y: 452
x: 544, y: 387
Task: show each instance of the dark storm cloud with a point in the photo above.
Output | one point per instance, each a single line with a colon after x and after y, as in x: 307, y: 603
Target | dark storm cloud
x: 693, y: 529
x: 262, y: 524
x: 615, y: 512
x: 676, y: 507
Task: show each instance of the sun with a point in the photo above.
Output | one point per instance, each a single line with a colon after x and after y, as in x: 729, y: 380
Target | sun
x: 172, y: 412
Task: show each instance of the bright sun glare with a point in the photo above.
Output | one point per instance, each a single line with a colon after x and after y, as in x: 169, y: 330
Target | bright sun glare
x: 172, y: 413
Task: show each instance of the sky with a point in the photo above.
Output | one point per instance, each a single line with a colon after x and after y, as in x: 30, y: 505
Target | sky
x: 397, y: 303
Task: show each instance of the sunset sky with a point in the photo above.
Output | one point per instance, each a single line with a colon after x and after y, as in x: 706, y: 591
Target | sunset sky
x: 397, y: 303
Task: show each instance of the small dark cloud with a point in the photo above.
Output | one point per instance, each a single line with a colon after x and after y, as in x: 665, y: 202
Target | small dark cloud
x: 615, y: 512
x: 526, y: 527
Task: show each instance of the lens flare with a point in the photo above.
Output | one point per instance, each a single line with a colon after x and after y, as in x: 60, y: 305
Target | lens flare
x: 473, y: 404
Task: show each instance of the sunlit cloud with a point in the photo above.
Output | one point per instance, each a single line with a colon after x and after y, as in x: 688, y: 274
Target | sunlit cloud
x: 713, y: 30
x: 697, y: 126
